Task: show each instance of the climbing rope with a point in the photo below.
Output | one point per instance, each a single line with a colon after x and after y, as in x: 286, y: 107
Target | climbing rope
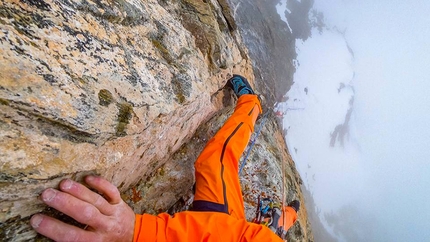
x: 265, y: 206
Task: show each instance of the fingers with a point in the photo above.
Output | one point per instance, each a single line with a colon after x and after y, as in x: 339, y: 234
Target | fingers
x: 109, y: 191
x: 108, y: 218
x: 80, y: 191
x: 81, y: 211
x: 58, y: 230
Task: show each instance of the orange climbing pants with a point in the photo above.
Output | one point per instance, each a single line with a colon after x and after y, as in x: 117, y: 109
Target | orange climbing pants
x: 218, y: 210
x: 217, y: 179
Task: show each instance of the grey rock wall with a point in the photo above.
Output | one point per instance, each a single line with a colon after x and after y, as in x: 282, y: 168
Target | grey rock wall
x: 105, y: 87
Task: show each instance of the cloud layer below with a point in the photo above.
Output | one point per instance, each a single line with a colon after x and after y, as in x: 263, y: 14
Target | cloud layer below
x: 372, y: 183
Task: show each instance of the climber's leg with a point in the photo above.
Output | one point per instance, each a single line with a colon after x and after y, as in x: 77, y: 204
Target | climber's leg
x: 217, y: 180
x: 289, y: 216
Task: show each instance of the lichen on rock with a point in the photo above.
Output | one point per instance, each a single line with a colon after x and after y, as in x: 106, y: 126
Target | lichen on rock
x: 111, y: 88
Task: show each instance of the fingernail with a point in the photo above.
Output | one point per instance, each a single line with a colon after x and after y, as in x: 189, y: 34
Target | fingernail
x: 35, y: 221
x: 89, y: 178
x: 48, y: 195
x: 67, y: 184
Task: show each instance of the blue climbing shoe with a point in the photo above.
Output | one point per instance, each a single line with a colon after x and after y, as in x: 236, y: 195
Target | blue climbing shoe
x: 240, y: 85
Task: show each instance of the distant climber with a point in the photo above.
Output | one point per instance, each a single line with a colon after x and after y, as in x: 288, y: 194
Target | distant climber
x: 217, y: 213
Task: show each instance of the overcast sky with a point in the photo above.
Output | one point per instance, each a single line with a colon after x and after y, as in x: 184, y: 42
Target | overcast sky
x: 376, y: 186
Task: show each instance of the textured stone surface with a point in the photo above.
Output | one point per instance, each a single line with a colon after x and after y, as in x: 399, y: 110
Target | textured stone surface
x: 111, y: 88
x: 115, y: 88
x: 271, y: 45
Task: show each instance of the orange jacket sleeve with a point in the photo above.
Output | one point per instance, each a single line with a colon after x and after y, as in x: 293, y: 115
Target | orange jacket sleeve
x: 198, y: 226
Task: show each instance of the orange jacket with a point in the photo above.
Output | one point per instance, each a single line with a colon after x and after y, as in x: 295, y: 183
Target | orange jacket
x: 198, y: 226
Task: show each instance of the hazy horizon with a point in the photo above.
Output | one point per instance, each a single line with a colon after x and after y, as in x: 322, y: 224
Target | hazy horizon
x: 360, y: 142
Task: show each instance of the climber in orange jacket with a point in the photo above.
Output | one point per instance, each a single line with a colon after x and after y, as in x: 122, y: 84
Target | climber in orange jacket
x: 217, y: 212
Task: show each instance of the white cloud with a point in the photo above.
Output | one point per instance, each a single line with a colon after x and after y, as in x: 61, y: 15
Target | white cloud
x: 384, y: 165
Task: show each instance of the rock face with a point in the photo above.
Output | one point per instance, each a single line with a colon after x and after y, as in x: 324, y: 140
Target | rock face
x: 115, y: 88
x: 271, y: 44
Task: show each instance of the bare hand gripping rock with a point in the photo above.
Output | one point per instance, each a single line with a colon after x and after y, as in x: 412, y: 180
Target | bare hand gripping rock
x: 108, y: 217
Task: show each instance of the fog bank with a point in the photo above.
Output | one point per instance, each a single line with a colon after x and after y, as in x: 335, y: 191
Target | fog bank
x: 361, y: 134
